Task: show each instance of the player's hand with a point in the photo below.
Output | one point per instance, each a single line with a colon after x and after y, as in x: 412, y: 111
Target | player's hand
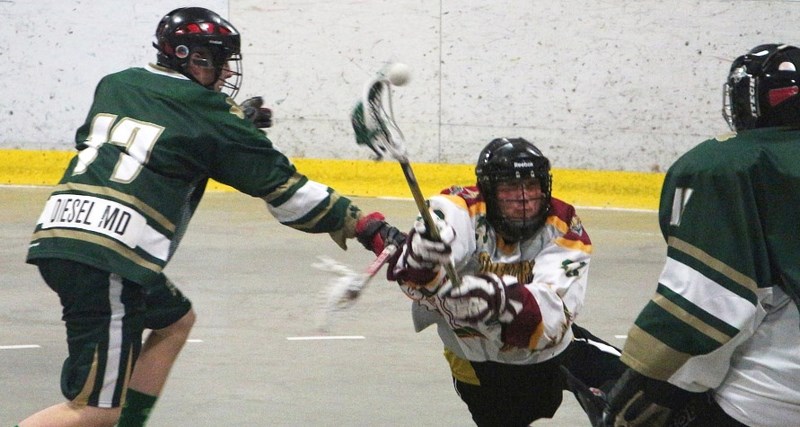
x: 631, y: 401
x: 256, y: 113
x: 375, y: 233
x: 423, y: 257
x: 483, y: 298
x: 427, y: 252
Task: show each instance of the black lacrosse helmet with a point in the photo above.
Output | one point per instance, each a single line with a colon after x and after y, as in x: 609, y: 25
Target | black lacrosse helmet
x: 508, y: 160
x: 762, y: 88
x: 195, y: 29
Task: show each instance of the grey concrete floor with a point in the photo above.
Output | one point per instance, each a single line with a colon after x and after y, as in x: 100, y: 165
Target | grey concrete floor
x: 254, y: 290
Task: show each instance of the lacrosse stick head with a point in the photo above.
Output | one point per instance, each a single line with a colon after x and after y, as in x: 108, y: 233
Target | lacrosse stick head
x: 340, y: 293
x: 373, y: 120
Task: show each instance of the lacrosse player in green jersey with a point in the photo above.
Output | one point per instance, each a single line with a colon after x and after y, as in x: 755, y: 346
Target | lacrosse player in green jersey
x: 153, y: 138
x: 719, y: 343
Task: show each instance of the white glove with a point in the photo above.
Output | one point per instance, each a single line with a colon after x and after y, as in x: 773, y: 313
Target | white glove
x: 426, y: 252
x: 422, y: 258
x: 482, y: 298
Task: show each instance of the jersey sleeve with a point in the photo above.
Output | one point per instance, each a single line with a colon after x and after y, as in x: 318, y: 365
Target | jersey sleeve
x: 246, y: 159
x: 560, y: 275
x: 312, y: 207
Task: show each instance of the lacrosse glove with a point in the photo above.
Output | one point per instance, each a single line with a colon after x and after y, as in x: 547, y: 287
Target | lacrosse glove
x: 375, y: 233
x: 422, y: 257
x: 488, y: 299
x: 254, y: 112
x: 639, y: 401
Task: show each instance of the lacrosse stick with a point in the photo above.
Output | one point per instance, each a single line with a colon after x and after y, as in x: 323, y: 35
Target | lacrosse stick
x: 591, y: 400
x: 373, y: 121
x: 343, y: 291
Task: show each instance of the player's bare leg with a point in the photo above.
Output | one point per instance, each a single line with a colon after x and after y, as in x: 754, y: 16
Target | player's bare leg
x: 68, y: 414
x: 159, y: 352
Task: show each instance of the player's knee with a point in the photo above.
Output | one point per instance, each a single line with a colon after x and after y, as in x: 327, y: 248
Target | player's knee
x: 189, y: 318
x: 101, y: 416
x: 184, y: 324
x: 72, y: 413
x: 181, y: 327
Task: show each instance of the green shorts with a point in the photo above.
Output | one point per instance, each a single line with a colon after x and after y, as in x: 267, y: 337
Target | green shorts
x: 105, y: 316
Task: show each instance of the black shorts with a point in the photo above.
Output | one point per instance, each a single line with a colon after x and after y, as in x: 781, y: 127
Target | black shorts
x: 517, y: 395
x: 105, y: 316
x: 512, y: 395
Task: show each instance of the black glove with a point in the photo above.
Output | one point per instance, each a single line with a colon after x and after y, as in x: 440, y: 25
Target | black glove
x: 640, y: 401
x: 375, y: 233
x: 253, y: 111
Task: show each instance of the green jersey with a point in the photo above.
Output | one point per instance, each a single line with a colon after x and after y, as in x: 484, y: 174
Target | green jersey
x: 728, y: 213
x: 151, y: 141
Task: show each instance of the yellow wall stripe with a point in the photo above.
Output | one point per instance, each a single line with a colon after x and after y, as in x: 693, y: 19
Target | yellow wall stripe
x: 367, y: 178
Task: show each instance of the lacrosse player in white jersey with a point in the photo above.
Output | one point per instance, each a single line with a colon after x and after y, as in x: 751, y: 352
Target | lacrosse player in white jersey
x: 522, y: 257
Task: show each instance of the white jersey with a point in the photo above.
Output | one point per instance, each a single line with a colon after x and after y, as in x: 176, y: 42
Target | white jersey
x: 553, y: 266
x: 760, y: 388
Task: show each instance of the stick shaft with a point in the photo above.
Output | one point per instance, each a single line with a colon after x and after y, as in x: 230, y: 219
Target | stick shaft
x: 391, y: 141
x: 378, y: 262
x: 413, y: 185
x: 372, y: 270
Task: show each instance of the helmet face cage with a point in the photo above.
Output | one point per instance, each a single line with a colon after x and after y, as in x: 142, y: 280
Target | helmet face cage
x: 232, y: 84
x: 513, y: 160
x: 757, y: 83
x: 189, y: 30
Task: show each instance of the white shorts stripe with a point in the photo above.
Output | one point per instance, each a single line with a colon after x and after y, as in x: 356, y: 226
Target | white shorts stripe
x: 605, y: 348
x: 111, y: 376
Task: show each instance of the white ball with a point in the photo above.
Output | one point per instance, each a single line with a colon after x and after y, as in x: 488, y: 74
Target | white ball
x: 398, y: 74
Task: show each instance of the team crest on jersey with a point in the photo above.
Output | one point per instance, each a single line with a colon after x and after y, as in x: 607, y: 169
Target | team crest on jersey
x: 575, y: 225
x: 454, y: 189
x: 572, y: 268
x: 481, y: 225
x: 469, y: 194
